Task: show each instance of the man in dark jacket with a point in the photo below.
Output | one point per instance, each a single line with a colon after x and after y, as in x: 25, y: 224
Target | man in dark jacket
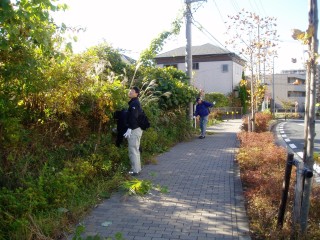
x: 202, y: 110
x: 134, y: 132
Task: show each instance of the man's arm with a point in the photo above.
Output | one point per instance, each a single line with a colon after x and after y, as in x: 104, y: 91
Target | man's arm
x: 208, y: 104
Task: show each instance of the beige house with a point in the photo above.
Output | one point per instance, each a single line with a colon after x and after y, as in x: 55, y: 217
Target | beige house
x: 214, y: 69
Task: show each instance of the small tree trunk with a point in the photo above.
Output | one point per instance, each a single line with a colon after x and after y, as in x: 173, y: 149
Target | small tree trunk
x: 309, y: 161
x: 252, y: 100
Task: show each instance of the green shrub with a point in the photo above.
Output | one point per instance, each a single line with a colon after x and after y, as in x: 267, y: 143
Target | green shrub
x: 172, y: 87
x: 220, y: 99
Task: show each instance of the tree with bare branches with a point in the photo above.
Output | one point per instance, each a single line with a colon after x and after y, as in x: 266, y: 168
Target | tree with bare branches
x: 255, y: 38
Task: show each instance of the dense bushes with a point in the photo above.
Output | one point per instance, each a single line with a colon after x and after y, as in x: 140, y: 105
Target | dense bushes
x: 220, y: 99
x: 57, y: 153
x: 172, y: 87
x: 57, y: 146
x: 53, y: 162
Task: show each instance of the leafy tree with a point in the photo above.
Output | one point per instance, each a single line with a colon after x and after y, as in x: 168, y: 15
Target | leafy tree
x: 157, y: 43
x: 28, y: 42
x: 287, y: 105
x: 244, y: 88
x: 111, y: 60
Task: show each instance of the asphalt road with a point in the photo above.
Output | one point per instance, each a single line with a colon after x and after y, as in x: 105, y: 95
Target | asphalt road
x: 291, y: 134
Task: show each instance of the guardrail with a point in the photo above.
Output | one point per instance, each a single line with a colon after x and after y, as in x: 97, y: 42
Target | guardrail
x: 283, y: 110
x: 302, y: 173
x: 229, y: 112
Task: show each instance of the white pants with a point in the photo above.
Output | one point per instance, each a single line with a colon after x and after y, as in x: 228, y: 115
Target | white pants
x: 133, y: 147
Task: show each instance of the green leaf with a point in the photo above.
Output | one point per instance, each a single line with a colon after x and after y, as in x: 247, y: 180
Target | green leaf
x: 63, y: 210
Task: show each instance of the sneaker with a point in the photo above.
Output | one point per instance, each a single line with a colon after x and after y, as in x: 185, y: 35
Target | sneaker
x: 202, y: 137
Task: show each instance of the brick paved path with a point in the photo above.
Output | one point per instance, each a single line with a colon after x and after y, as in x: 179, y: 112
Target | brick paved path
x: 204, y: 201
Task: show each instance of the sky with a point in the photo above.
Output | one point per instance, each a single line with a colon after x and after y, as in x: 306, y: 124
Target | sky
x: 132, y: 24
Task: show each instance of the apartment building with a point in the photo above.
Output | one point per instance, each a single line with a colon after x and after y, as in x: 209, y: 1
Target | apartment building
x: 303, y: 72
x: 286, y: 88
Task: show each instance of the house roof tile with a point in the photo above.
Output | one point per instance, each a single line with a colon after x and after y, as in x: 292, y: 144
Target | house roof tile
x: 206, y: 49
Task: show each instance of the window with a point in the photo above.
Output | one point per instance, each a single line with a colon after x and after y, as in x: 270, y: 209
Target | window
x: 195, y: 66
x: 296, y: 81
x: 296, y: 94
x: 171, y: 65
x: 225, y: 68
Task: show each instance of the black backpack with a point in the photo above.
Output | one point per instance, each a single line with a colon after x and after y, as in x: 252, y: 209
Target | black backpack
x: 143, y: 121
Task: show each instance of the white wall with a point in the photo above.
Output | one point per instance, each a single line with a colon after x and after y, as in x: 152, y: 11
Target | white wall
x: 237, y: 74
x: 211, y: 78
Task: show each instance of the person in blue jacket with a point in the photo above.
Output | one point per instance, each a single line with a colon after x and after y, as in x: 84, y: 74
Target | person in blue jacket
x: 202, y: 110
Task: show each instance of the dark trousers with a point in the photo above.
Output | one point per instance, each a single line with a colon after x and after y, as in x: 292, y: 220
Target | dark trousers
x: 120, y: 136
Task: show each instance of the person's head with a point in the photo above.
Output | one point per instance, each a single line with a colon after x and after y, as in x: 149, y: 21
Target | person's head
x: 198, y: 100
x: 134, y: 92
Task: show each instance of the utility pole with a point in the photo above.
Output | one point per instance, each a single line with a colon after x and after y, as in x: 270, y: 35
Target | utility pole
x: 188, y: 59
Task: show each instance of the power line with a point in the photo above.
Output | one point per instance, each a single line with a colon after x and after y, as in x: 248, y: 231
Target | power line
x: 202, y: 29
x: 214, y: 39
x: 235, y: 6
x: 214, y: 1
x: 211, y: 37
x: 253, y: 9
x: 265, y: 13
x: 258, y: 8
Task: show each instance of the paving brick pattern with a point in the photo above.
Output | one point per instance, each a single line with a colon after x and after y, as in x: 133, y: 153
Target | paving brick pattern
x: 204, y: 201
